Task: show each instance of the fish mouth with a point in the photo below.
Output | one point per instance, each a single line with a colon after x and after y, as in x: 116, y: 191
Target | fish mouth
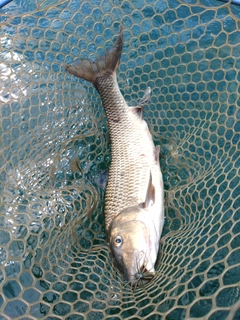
x: 140, y: 277
x: 140, y: 270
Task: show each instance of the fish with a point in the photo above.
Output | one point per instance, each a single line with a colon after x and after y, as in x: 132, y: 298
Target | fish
x: 134, y: 197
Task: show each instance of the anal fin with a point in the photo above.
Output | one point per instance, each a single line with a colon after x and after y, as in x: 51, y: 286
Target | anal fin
x: 136, y: 110
x: 139, y: 108
x: 145, y: 98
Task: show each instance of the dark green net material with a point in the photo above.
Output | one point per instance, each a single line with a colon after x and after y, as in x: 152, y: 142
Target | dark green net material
x: 54, y: 155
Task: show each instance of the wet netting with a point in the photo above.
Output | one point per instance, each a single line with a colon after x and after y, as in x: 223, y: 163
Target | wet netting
x: 55, y: 151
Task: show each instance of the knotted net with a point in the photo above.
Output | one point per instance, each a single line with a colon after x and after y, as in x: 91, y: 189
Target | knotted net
x: 55, y: 153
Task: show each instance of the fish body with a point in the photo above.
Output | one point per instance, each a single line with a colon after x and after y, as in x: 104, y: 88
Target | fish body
x: 134, y: 208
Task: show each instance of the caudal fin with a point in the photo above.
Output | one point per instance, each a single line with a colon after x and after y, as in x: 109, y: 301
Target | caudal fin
x: 106, y: 64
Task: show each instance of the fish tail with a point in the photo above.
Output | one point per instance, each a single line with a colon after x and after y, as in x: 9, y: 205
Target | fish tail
x: 105, y: 65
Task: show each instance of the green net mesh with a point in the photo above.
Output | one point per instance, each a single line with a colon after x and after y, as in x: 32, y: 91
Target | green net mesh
x: 55, y: 153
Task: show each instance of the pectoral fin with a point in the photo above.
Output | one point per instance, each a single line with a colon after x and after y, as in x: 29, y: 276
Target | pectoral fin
x: 150, y: 195
x: 157, y: 152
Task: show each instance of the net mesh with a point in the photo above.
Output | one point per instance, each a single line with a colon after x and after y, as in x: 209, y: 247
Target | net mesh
x: 55, y: 153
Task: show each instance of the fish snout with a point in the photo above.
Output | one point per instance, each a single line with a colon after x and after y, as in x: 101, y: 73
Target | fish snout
x: 139, y: 278
x: 138, y: 271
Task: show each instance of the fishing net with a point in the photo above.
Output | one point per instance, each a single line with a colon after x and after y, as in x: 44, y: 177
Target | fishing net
x: 55, y: 153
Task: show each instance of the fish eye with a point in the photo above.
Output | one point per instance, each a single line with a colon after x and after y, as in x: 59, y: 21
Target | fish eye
x: 118, y: 241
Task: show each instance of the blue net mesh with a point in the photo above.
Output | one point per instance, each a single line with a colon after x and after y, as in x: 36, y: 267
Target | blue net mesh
x: 55, y: 153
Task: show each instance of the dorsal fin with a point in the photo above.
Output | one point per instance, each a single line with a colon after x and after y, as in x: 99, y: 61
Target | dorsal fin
x: 150, y: 195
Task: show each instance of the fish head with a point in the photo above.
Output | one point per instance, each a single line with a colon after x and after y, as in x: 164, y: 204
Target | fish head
x: 134, y: 244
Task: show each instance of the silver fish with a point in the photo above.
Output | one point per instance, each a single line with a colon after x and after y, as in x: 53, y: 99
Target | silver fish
x: 134, y: 200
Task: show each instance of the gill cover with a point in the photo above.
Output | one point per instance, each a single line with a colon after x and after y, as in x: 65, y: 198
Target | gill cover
x: 132, y: 237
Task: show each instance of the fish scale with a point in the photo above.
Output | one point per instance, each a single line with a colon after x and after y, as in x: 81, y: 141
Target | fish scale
x: 129, y: 170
